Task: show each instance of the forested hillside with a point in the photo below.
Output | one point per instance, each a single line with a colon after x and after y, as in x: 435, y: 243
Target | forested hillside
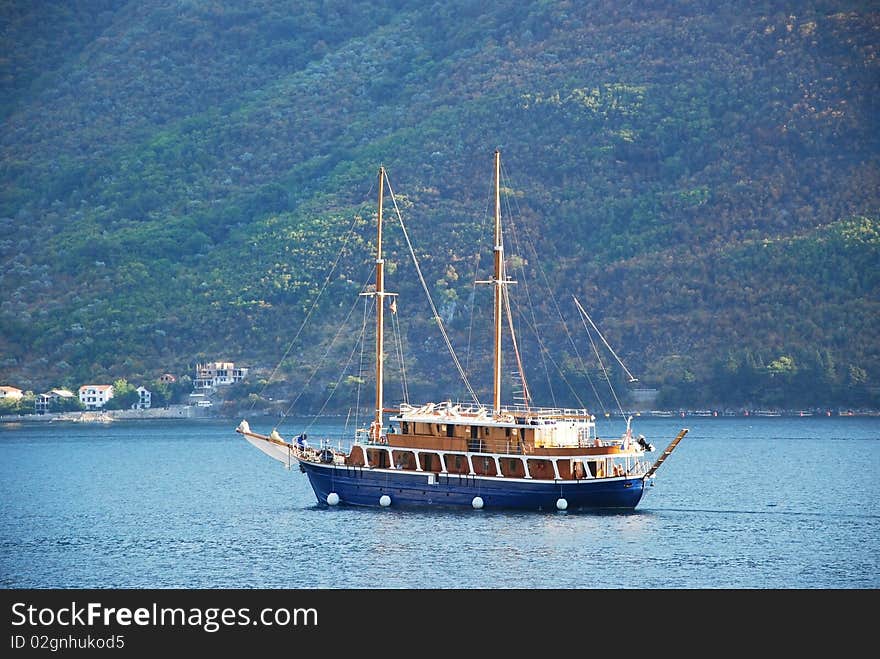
x: 179, y: 177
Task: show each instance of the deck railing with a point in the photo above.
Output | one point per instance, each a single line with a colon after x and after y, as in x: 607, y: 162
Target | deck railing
x: 509, y: 446
x: 518, y: 410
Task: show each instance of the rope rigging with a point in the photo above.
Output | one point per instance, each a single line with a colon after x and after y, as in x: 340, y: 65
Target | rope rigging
x: 473, y: 297
x: 467, y: 357
x: 519, y: 365
x: 525, y: 280
x: 542, y: 347
x: 553, y: 361
x: 335, y: 387
x: 398, y: 348
x: 527, y: 315
x: 599, y: 357
x: 357, y: 406
x: 632, y: 378
x: 323, y: 358
x: 437, y: 317
x: 310, y: 312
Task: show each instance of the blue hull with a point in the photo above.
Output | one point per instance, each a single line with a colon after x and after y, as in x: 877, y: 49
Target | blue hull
x: 364, y: 487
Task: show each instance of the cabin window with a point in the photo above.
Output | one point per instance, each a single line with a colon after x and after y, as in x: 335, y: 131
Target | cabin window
x: 474, y: 430
x: 486, y: 431
x: 404, y: 427
x: 458, y: 462
x: 540, y: 468
x: 507, y: 432
x: 450, y: 430
x: 512, y: 468
x: 402, y: 460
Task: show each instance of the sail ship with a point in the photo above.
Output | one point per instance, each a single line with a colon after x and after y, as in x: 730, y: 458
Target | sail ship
x: 472, y: 455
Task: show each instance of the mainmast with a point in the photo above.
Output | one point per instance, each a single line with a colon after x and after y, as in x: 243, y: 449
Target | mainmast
x: 497, y: 280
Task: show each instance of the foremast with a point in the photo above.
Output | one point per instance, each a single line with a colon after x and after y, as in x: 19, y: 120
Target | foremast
x: 380, y: 293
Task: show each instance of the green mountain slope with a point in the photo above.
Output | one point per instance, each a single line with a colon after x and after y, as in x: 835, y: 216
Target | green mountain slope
x: 178, y: 177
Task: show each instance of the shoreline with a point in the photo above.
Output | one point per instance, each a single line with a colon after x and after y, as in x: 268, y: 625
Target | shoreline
x: 193, y: 413
x: 108, y: 416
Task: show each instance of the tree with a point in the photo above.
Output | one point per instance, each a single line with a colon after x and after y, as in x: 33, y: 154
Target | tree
x: 65, y: 404
x: 181, y: 389
x: 783, y: 366
x: 857, y: 375
x: 23, y: 405
x: 8, y: 406
x: 161, y: 393
x: 124, y: 395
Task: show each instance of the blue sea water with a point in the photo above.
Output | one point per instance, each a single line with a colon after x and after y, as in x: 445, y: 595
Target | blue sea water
x: 743, y: 503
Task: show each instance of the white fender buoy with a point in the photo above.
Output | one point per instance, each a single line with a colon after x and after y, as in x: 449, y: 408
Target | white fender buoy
x: 332, y: 498
x: 384, y: 501
x: 561, y: 504
x: 477, y: 503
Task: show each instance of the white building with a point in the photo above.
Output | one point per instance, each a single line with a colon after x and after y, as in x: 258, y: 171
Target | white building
x: 95, y: 396
x: 214, y: 374
x: 200, y: 400
x: 12, y: 393
x: 144, y: 399
x: 44, y: 401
